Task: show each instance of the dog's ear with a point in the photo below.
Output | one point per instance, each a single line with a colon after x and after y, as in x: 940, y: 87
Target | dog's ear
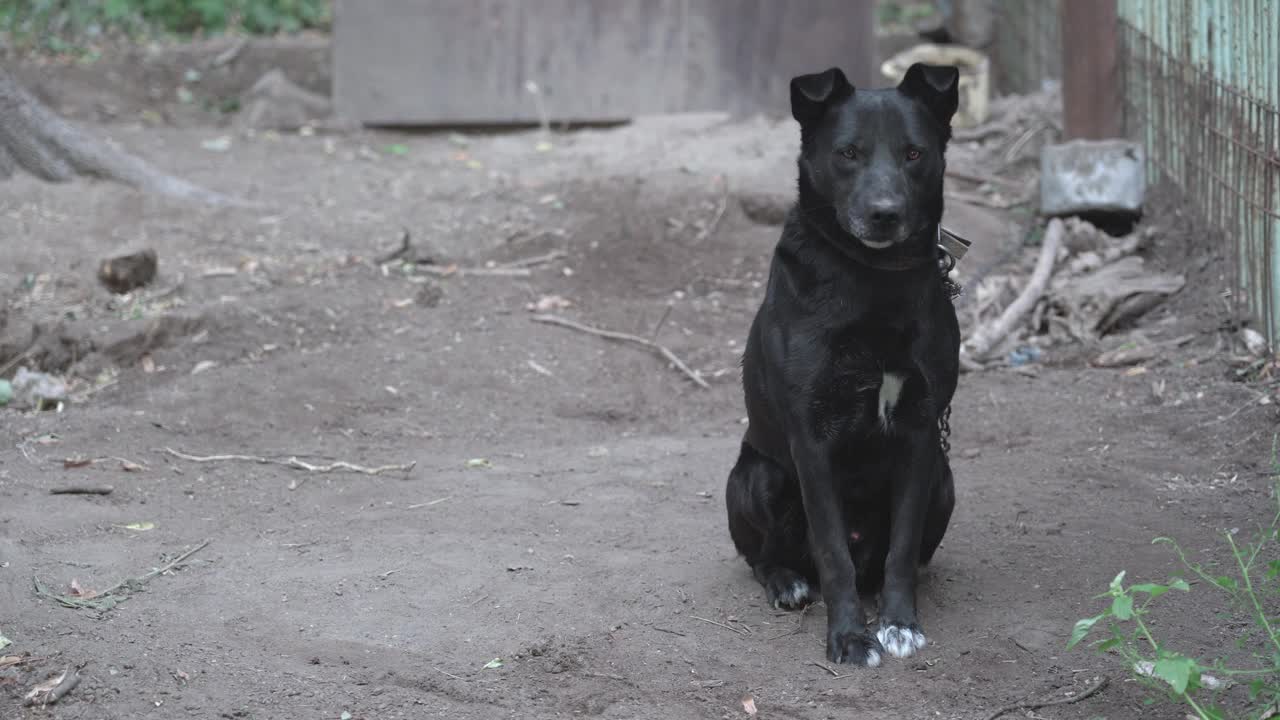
x: 811, y: 94
x: 937, y: 86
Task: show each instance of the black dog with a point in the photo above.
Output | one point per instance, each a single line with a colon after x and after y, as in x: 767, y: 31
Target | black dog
x: 851, y: 364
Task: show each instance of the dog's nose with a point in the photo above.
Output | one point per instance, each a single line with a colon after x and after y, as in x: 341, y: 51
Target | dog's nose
x: 886, y: 212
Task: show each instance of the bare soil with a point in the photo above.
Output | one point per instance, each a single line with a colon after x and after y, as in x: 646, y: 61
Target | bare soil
x: 588, y: 551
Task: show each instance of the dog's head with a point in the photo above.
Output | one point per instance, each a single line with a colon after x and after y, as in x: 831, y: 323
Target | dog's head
x: 875, y: 157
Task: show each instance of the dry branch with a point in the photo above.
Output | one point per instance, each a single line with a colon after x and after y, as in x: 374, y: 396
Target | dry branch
x: 1093, y: 689
x: 293, y: 462
x: 37, y: 140
x: 988, y: 336
x: 626, y: 338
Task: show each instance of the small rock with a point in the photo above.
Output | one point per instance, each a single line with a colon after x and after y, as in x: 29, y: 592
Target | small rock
x: 970, y: 453
x: 429, y: 296
x: 1254, y: 341
x: 766, y: 208
x: 124, y: 273
x: 1092, y: 176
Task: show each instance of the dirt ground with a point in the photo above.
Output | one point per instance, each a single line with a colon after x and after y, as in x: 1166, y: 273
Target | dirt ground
x: 565, y: 513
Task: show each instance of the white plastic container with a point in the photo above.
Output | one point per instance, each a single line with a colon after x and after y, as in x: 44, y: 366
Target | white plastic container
x: 975, y: 76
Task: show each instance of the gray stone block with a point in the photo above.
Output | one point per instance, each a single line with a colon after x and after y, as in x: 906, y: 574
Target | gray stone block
x: 1085, y: 176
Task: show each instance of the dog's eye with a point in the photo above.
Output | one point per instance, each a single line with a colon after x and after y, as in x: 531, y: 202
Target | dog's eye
x: 849, y: 153
x: 913, y: 154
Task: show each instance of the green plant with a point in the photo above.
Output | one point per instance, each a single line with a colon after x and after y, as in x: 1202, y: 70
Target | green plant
x: 69, y: 25
x: 1250, y: 590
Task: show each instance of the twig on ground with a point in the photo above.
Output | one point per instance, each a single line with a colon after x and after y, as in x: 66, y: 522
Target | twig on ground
x: 1012, y: 153
x: 827, y: 668
x: 982, y: 178
x: 102, y: 601
x: 455, y: 271
x: 82, y: 490
x: 13, y: 361
x: 455, y: 677
x: 627, y: 338
x: 987, y: 336
x: 1089, y: 691
x: 142, y: 580
x: 437, y: 501
x: 1252, y: 403
x: 719, y: 624
x: 710, y: 227
x: 981, y: 132
x: 975, y: 199
x: 661, y: 321
x: 668, y: 630
x: 536, y: 260
x: 294, y: 462
x: 229, y: 55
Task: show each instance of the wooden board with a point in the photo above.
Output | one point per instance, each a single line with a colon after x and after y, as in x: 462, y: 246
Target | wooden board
x: 423, y: 62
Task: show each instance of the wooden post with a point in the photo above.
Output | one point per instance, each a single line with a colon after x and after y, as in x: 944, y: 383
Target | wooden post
x: 1091, y: 106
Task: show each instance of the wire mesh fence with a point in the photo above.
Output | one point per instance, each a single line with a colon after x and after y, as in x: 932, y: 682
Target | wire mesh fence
x: 1199, y: 89
x: 1199, y: 84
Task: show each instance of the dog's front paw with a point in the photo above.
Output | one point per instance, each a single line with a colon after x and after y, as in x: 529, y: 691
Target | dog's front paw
x: 854, y: 648
x: 786, y: 590
x: 901, y: 641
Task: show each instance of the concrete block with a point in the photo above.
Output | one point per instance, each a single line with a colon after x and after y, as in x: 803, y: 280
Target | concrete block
x: 1092, y: 176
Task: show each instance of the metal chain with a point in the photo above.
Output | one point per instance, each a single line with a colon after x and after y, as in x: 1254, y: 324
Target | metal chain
x: 944, y: 426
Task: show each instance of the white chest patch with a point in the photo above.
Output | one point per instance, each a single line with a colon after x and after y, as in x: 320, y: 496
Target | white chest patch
x: 890, y: 389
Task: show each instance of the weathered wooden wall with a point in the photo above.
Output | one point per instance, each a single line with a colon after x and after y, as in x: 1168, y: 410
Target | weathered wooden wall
x: 422, y: 62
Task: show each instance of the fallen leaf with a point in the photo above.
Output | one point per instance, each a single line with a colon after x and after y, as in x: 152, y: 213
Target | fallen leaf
x: 492, y: 664
x: 749, y: 704
x: 181, y: 676
x: 543, y: 146
x: 10, y: 660
x: 140, y: 526
x: 345, y: 715
x: 218, y: 144
x: 479, y: 463
x: 76, y: 462
x: 130, y: 466
x: 5, y: 642
x: 148, y: 365
x: 79, y: 592
x: 406, y: 302
x: 397, y: 149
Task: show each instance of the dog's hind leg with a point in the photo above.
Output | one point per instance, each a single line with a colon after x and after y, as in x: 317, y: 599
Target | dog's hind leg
x: 767, y: 523
x: 941, y: 502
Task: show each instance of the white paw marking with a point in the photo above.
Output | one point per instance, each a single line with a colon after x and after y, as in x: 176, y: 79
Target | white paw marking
x: 890, y: 389
x: 796, y: 594
x: 901, y: 642
x: 873, y: 658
